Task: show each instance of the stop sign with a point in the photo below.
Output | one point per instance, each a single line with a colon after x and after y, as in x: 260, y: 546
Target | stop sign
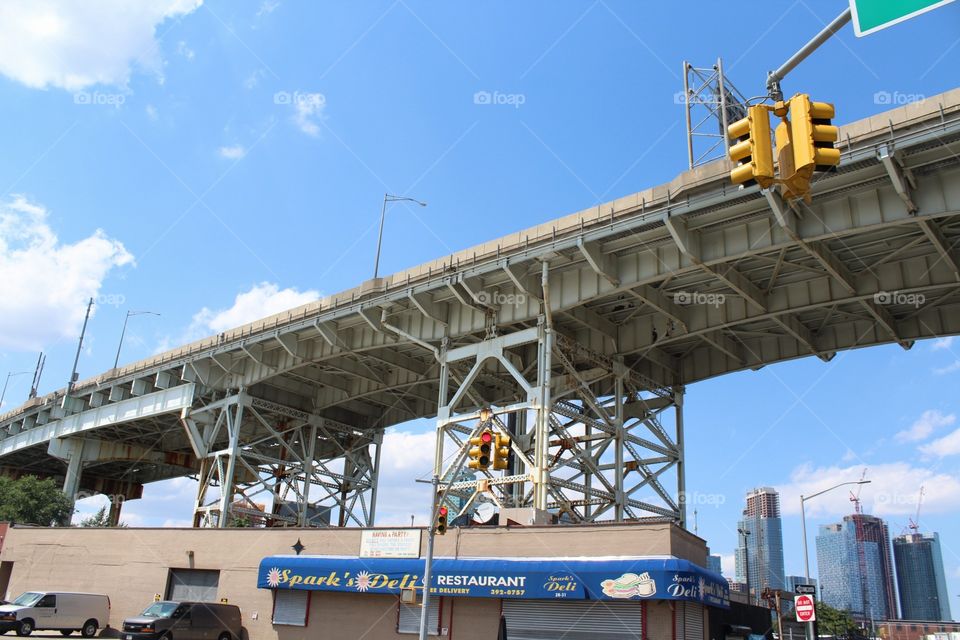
x: 803, y: 605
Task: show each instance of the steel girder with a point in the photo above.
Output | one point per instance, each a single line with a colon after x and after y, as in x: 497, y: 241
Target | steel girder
x: 587, y: 437
x: 262, y: 463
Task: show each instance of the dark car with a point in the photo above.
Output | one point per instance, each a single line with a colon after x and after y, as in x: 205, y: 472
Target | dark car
x: 184, y: 621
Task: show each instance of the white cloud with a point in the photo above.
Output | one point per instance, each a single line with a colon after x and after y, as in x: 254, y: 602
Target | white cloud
x: 925, y: 425
x: 267, y: 7
x: 152, y: 114
x: 72, y: 45
x: 44, y: 282
x: 308, y: 110
x: 406, y: 456
x: 184, y: 50
x: 233, y: 152
x: 942, y: 343
x: 251, y: 81
x: 728, y: 565
x: 260, y: 301
x: 950, y: 368
x: 893, y: 490
x: 948, y: 445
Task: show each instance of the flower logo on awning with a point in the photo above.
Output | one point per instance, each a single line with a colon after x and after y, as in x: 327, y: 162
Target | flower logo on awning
x: 273, y: 577
x: 363, y: 581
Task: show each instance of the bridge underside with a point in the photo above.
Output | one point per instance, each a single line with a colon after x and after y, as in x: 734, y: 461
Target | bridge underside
x: 578, y: 338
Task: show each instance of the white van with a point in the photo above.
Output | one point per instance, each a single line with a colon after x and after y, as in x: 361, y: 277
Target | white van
x: 58, y: 610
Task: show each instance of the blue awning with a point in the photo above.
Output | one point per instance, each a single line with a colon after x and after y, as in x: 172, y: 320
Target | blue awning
x: 613, y: 578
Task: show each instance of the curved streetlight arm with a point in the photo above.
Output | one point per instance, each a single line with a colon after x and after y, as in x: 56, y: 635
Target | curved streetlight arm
x: 387, y: 197
x: 836, y: 486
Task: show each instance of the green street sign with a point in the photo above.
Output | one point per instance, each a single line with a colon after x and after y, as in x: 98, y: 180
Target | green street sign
x: 873, y: 15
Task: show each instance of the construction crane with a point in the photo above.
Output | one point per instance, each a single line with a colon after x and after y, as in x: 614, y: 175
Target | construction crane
x: 914, y: 525
x: 855, y: 497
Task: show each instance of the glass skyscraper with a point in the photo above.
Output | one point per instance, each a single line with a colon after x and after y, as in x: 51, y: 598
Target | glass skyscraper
x: 853, y: 557
x: 762, y: 547
x: 920, y: 577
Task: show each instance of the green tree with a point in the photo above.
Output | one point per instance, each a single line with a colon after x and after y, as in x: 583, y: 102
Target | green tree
x: 837, y: 623
x: 29, y: 500
x: 100, y: 519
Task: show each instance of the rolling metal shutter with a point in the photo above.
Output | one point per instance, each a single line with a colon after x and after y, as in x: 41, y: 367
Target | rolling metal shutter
x: 569, y: 620
x: 290, y: 607
x: 196, y: 585
x: 689, y: 621
x: 409, y: 619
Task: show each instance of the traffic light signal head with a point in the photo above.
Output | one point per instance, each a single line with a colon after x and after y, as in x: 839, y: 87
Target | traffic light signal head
x: 752, y: 149
x: 441, y: 524
x: 812, y: 134
x: 501, y: 452
x: 481, y: 447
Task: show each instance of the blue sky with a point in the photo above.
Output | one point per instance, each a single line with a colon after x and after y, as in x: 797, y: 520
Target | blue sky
x: 213, y: 163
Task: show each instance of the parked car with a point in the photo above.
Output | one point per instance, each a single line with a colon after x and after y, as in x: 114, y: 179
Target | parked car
x: 56, y: 610
x: 169, y: 620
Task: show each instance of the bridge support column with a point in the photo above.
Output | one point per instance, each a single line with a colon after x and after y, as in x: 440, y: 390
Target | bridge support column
x: 266, y: 464
x: 600, y: 443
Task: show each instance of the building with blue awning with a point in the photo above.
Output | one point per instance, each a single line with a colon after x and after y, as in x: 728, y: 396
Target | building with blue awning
x: 580, y: 578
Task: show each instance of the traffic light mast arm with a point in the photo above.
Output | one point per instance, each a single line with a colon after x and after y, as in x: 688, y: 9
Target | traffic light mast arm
x: 774, y: 77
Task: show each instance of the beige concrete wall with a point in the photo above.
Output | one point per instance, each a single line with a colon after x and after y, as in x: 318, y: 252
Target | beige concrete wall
x: 131, y: 565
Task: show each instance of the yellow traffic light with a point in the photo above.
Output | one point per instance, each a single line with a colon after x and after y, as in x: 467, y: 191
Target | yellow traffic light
x: 804, y: 143
x: 481, y: 450
x: 501, y: 452
x: 441, y: 525
x: 752, y: 149
x: 812, y: 134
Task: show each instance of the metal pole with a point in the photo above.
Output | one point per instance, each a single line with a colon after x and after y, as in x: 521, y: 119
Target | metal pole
x: 686, y: 103
x: 123, y: 332
x: 376, y: 262
x: 428, y: 565
x: 774, y: 77
x: 681, y: 462
x: 724, y: 123
x: 76, y: 360
x: 10, y: 374
x: 806, y: 560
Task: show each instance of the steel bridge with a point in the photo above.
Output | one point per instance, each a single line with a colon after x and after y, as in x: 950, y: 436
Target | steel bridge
x: 576, y: 336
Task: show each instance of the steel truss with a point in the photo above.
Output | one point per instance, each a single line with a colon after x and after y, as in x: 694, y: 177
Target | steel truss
x: 711, y: 103
x: 262, y: 463
x: 589, y: 440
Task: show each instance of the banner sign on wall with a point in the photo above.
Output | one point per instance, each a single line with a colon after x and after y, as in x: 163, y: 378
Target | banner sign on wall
x: 390, y: 543
x: 522, y: 578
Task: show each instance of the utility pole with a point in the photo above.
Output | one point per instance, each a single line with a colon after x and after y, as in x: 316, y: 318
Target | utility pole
x: 76, y: 360
x: 36, y: 376
x: 428, y: 565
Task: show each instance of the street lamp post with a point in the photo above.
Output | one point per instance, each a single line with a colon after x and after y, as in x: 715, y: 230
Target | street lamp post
x: 10, y: 374
x: 124, y: 331
x: 811, y: 626
x: 383, y: 211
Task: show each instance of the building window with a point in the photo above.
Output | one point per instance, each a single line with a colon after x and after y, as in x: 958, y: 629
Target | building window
x: 290, y: 607
x: 408, y: 617
x: 193, y: 585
